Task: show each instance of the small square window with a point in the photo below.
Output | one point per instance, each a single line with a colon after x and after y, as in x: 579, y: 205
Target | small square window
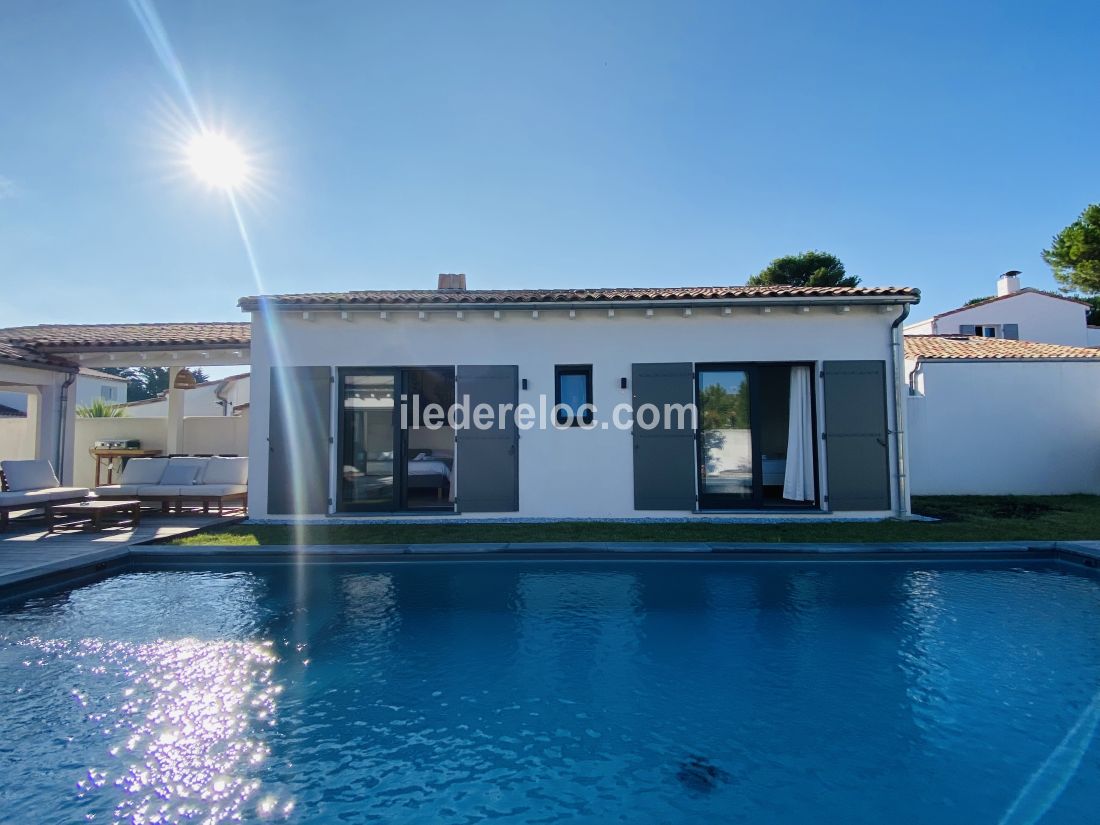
x: 573, y: 394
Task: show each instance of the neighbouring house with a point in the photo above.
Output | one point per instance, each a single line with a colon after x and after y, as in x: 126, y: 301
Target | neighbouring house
x: 800, y: 394
x: 996, y: 416
x: 1016, y: 313
x: 92, y: 384
x: 222, y: 396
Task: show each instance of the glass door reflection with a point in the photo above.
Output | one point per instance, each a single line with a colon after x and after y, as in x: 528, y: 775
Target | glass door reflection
x: 726, y: 470
x: 369, y: 442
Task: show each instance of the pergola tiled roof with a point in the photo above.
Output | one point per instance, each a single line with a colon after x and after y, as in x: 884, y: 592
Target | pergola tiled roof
x: 492, y: 297
x: 971, y: 347
x: 45, y: 338
x: 11, y: 353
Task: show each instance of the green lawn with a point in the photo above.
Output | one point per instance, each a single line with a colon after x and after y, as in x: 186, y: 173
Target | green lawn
x: 962, y: 518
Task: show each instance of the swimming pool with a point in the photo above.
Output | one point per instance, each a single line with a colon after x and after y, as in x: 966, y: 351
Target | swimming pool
x: 611, y: 691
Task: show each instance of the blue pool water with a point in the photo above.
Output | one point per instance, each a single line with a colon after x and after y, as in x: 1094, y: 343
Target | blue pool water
x: 630, y: 692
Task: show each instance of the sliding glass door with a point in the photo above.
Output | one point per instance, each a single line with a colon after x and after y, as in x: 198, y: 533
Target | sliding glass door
x: 726, y: 471
x: 755, y: 436
x: 394, y: 459
x: 368, y: 441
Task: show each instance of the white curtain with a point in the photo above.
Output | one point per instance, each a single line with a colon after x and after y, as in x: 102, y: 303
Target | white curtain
x: 798, y: 480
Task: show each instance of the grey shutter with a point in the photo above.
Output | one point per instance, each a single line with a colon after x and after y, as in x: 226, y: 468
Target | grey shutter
x: 487, y: 461
x: 300, y: 412
x: 664, y: 457
x: 968, y: 329
x: 1011, y: 331
x: 856, y: 446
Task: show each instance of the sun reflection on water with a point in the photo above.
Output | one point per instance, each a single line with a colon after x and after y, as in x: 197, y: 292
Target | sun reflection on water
x: 185, y: 734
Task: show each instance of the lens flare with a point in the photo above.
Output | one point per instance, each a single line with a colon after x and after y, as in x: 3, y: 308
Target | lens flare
x: 217, y: 161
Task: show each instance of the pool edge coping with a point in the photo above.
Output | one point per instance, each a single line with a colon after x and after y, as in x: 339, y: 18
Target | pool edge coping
x: 1079, y: 553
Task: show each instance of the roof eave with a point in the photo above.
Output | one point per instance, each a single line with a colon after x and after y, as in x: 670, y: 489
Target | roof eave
x: 159, y: 346
x: 39, y: 365
x: 949, y: 360
x: 250, y: 305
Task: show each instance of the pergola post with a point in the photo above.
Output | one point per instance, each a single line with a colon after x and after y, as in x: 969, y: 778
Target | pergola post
x: 174, y: 440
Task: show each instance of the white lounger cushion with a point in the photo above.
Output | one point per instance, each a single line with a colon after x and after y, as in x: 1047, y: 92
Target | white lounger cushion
x: 143, y: 471
x: 117, y: 490
x: 37, y: 498
x: 221, y: 470
x: 161, y: 490
x: 182, y: 471
x: 24, y: 498
x: 214, y: 490
x: 66, y: 492
x: 36, y: 474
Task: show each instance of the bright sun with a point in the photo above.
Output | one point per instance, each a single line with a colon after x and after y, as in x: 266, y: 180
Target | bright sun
x: 217, y: 160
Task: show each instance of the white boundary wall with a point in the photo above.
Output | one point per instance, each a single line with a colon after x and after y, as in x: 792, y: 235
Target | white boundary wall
x: 995, y: 427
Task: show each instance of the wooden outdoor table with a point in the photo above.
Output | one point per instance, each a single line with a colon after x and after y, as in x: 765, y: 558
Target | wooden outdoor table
x: 100, y: 453
x: 92, y: 510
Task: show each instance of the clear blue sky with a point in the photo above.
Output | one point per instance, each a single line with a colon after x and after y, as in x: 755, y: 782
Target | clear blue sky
x: 539, y: 144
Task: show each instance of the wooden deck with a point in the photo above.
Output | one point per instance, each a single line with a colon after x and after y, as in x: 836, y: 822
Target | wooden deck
x: 28, y: 551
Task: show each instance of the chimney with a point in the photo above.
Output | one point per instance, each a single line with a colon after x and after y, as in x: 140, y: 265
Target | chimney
x: 452, y: 282
x: 1006, y: 284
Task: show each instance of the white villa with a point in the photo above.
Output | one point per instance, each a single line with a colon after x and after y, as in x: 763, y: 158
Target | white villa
x: 800, y: 391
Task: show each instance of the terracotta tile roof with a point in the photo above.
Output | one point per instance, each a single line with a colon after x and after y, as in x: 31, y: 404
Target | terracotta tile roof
x: 538, y: 296
x: 61, y: 337
x: 971, y: 347
x: 17, y: 354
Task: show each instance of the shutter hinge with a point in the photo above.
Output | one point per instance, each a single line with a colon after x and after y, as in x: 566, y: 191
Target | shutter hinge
x: 823, y: 436
x: 331, y: 378
x: 330, y: 440
x: 328, y: 501
x: 821, y: 374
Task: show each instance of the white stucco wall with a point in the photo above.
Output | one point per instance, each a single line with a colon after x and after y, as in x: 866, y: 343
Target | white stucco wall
x: 572, y: 473
x: 1040, y: 317
x: 52, y: 419
x: 18, y: 436
x: 201, y: 434
x: 1093, y: 337
x: 989, y: 427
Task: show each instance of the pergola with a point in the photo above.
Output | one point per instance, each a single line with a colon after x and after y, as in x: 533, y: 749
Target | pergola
x: 44, y: 360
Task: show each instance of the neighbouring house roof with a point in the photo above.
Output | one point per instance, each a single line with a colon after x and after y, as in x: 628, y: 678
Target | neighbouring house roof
x: 236, y: 377
x: 996, y: 298
x: 11, y: 412
x: 976, y: 348
x: 62, y: 337
x: 161, y: 397
x: 88, y: 372
x: 164, y: 395
x: 489, y: 297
